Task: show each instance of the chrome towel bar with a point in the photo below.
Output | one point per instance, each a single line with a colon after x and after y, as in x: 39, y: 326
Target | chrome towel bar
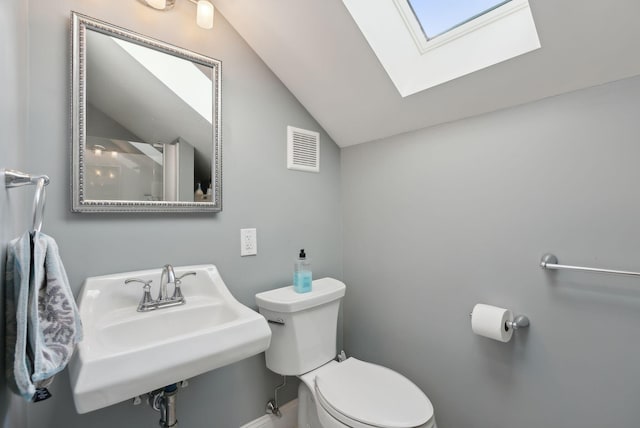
x: 13, y: 178
x: 549, y: 261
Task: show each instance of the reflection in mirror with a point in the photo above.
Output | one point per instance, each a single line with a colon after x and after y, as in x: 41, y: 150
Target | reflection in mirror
x: 146, y: 134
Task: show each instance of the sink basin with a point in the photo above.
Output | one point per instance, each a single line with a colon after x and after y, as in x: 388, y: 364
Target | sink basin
x: 126, y: 353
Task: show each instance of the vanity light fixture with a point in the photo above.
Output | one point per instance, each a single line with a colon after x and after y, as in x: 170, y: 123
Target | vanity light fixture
x: 98, y: 149
x: 204, y: 13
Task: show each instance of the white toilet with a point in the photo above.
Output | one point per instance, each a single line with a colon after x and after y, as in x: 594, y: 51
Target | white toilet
x: 332, y: 394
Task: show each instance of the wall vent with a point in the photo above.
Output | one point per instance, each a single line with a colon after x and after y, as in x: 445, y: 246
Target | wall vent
x: 303, y: 149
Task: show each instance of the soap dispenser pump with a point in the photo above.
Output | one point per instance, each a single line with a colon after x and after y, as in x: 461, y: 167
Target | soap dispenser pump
x: 302, y: 273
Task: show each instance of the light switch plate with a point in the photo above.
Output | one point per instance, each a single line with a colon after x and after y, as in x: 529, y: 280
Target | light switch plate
x: 248, y: 242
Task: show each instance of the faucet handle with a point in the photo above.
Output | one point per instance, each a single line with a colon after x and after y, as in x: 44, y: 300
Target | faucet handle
x: 141, y: 281
x: 186, y: 274
x: 177, y: 291
x: 146, y: 303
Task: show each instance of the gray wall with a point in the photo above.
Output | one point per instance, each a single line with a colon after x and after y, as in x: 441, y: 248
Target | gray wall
x: 290, y: 209
x: 13, y: 113
x: 443, y: 218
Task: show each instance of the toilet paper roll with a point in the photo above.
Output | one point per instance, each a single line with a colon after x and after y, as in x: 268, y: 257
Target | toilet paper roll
x: 490, y: 321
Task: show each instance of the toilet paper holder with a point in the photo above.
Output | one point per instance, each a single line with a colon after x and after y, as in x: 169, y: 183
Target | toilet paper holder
x: 519, y: 321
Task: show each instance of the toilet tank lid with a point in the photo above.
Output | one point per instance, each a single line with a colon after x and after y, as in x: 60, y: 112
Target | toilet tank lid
x: 286, y: 300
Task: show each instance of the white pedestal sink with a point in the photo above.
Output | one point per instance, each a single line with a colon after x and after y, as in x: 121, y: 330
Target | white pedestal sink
x: 126, y: 353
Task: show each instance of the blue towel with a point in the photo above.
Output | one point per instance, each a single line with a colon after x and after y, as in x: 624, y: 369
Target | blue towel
x: 43, y: 323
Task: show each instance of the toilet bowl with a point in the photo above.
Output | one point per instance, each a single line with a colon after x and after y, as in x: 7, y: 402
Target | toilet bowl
x: 332, y: 394
x: 358, y: 394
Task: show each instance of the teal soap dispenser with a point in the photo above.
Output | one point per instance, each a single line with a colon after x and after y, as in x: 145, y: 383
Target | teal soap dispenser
x: 302, y: 274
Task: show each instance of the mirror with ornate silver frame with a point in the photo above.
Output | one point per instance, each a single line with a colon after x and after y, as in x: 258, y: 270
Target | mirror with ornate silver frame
x: 146, y: 123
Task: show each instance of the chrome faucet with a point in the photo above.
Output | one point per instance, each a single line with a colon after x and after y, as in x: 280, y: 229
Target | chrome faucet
x: 171, y: 279
x: 163, y: 300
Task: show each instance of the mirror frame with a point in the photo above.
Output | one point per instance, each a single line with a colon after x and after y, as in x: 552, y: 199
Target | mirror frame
x: 80, y: 25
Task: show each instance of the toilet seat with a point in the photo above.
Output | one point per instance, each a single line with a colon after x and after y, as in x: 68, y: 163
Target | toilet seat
x: 361, y: 394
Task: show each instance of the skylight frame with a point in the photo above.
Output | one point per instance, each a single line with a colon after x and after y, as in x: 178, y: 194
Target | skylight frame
x: 424, y: 43
x: 415, y: 64
x: 458, y: 24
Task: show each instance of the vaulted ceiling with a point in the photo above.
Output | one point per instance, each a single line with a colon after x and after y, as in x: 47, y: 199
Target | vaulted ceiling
x: 318, y: 52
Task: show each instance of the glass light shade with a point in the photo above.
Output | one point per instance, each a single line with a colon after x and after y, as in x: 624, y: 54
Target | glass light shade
x: 204, y: 17
x: 157, y: 4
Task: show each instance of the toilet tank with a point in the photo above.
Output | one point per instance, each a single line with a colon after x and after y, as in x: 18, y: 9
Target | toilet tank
x: 303, y: 325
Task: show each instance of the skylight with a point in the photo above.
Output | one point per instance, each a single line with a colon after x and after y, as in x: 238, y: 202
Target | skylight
x: 424, y: 43
x: 179, y: 75
x: 437, y: 17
